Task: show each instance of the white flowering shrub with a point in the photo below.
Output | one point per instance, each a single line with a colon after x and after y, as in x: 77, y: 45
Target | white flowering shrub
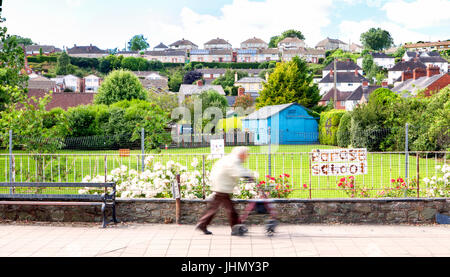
x: 439, y: 185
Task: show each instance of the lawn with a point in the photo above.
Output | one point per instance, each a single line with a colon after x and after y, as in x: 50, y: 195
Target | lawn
x: 72, y: 166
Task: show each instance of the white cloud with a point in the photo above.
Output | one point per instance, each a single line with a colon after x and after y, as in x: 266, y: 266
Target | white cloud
x: 419, y: 13
x: 352, y: 30
x: 74, y: 3
x: 243, y: 19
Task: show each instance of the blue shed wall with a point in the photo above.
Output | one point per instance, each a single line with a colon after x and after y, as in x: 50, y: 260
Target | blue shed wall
x: 292, y: 125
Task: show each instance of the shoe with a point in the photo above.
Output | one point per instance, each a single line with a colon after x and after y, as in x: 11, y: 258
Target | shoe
x: 238, y: 230
x: 204, y: 230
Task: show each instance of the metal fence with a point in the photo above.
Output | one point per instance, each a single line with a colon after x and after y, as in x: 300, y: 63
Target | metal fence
x: 414, y: 169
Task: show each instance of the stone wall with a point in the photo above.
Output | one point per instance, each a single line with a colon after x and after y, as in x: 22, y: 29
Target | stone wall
x: 292, y: 211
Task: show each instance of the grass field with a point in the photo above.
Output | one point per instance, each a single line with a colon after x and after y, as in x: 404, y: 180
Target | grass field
x: 72, y: 166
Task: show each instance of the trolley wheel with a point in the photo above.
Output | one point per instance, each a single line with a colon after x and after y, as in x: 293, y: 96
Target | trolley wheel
x: 270, y: 227
x: 239, y: 230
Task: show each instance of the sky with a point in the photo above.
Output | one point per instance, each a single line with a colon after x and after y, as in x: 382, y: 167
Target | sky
x: 110, y: 24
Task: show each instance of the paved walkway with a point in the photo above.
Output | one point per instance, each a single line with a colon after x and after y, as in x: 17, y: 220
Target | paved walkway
x: 142, y: 240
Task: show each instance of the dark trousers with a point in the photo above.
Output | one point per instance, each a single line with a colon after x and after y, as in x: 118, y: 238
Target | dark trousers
x: 213, y: 207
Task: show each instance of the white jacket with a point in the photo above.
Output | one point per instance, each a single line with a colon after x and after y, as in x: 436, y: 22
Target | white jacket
x: 226, y: 173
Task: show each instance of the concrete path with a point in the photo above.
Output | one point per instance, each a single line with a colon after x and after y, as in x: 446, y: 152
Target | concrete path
x: 141, y: 240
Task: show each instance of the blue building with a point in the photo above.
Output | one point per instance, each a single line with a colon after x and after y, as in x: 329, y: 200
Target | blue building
x: 288, y: 123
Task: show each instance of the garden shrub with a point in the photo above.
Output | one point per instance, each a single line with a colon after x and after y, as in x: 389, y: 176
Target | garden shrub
x: 343, y: 132
x: 82, y: 121
x: 328, y: 126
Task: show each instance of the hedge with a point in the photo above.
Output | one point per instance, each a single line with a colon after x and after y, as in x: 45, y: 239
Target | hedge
x: 41, y: 59
x: 228, y: 65
x: 328, y: 126
x: 343, y: 133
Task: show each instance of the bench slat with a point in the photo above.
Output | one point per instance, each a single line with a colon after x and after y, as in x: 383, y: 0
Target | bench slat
x: 42, y: 203
x: 59, y: 185
x: 51, y: 196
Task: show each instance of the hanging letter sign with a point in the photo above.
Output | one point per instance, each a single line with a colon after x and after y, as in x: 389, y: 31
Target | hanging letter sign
x: 338, y: 162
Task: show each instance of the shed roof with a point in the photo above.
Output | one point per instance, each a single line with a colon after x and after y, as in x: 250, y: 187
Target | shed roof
x: 268, y: 111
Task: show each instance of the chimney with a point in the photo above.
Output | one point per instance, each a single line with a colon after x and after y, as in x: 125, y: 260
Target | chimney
x: 241, y: 91
x: 356, y: 72
x: 433, y: 70
x: 200, y: 83
x: 365, y: 84
x: 331, y: 73
x: 384, y: 84
x: 406, y: 75
x: 419, y: 72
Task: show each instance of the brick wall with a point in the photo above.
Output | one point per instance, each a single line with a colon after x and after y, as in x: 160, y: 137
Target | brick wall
x: 357, y: 211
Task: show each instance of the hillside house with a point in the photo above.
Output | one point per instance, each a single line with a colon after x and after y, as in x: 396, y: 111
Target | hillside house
x: 291, y: 43
x: 254, y: 43
x: 332, y: 44
x: 211, y: 55
x: 342, y: 66
x: 168, y: 56
x: 91, y: 84
x: 345, y: 81
x: 395, y: 73
x: 183, y: 44
x: 380, y: 59
x: 218, y: 44
x: 87, y: 52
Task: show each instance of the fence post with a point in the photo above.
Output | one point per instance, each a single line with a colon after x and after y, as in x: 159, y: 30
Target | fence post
x: 418, y: 174
x: 143, y: 149
x: 270, y: 156
x: 204, y: 174
x: 177, y: 200
x: 10, y: 161
x: 406, y: 157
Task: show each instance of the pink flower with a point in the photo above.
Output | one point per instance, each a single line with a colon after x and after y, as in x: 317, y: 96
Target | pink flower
x: 392, y: 180
x: 400, y: 180
x: 305, y: 186
x: 342, y: 180
x: 351, y: 178
x: 287, y: 175
x: 340, y: 184
x: 352, y: 186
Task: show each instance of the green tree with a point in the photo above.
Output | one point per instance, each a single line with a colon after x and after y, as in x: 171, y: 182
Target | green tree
x: 13, y: 82
x: 138, y: 43
x: 207, y: 99
x: 63, y: 66
x: 29, y: 121
x: 367, y: 63
x: 23, y: 41
x: 377, y: 39
x: 289, y: 33
x: 175, y: 79
x: 120, y: 85
x: 290, y: 82
x: 227, y: 81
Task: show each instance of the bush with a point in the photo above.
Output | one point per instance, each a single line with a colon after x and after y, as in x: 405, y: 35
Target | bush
x: 82, y: 121
x: 120, y: 85
x: 328, y: 126
x: 343, y: 132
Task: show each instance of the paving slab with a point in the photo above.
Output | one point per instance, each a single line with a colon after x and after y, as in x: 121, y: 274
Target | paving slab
x: 161, y: 240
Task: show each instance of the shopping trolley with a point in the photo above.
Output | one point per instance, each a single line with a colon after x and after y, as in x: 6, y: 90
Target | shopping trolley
x: 261, y: 205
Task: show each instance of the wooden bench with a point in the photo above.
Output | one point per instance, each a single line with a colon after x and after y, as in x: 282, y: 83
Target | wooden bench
x: 37, y: 198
